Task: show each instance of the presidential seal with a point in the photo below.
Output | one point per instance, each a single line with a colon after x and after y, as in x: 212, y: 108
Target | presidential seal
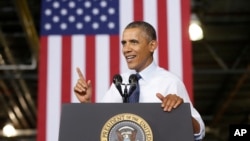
x: 126, y: 127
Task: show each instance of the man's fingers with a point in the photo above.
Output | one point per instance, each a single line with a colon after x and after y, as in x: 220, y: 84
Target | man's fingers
x: 162, y: 98
x: 82, y: 83
x: 80, y: 73
x: 178, y: 102
x: 79, y: 88
x: 170, y: 101
x: 169, y: 106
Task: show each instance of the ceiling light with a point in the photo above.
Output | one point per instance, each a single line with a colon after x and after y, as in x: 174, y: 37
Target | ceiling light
x: 195, y: 30
x: 9, y: 130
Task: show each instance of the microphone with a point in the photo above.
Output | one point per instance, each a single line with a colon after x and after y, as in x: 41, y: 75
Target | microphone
x: 133, y: 81
x: 117, y: 80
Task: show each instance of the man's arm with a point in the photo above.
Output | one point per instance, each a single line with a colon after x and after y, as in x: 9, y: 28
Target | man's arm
x: 172, y: 101
x: 196, y: 126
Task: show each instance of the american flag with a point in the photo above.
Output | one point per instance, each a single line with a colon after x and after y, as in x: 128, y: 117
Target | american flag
x: 86, y: 34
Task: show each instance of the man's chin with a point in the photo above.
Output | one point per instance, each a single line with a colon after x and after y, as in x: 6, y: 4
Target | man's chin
x: 131, y: 67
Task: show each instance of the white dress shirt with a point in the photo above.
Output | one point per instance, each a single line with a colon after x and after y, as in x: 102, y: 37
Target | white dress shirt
x: 156, y: 80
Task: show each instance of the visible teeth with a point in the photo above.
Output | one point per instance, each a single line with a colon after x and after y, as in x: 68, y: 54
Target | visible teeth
x: 130, y: 57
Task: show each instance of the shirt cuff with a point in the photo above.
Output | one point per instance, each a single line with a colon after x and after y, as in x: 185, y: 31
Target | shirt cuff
x: 199, y: 136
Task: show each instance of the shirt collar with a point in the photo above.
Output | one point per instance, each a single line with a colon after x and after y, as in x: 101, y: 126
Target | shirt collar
x: 148, y: 71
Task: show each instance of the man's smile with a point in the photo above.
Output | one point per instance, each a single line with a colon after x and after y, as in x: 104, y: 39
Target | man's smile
x: 130, y: 58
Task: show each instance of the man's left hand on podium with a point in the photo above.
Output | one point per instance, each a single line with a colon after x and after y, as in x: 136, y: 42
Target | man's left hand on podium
x: 169, y: 102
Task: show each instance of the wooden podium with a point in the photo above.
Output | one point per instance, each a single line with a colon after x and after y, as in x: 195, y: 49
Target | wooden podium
x: 120, y: 122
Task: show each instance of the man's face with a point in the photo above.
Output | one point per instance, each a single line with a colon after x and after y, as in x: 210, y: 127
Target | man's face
x: 137, y: 49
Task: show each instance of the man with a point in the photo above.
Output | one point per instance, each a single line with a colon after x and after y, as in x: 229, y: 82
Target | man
x: 139, y: 42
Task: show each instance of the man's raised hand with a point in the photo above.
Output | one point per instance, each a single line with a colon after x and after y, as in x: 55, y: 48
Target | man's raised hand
x: 83, y: 88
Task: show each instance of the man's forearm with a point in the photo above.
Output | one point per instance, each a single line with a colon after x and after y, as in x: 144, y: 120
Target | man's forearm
x: 196, y: 126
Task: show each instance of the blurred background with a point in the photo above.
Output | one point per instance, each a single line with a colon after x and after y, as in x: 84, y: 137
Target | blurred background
x: 221, y: 65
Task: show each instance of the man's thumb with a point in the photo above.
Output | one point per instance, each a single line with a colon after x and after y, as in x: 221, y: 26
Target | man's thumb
x: 160, y: 96
x: 89, y: 84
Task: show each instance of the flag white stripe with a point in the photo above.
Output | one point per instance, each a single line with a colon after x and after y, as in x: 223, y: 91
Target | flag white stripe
x: 174, y: 37
x: 150, y: 12
x: 78, y: 60
x: 126, y: 16
x: 150, y: 15
x: 53, y: 87
x: 102, y: 65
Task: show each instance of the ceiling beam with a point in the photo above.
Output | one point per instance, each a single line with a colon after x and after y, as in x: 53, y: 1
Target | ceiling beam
x: 28, y: 25
x: 226, y: 102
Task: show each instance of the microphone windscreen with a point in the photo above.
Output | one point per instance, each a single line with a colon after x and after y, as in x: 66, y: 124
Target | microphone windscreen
x: 133, y: 79
x: 117, y: 79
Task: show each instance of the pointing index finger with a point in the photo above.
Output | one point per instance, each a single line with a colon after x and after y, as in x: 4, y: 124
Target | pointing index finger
x: 80, y: 73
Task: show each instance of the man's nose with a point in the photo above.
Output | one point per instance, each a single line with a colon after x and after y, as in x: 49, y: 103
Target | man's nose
x: 126, y: 48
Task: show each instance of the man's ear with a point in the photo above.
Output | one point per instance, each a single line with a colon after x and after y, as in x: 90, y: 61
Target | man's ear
x: 153, y: 45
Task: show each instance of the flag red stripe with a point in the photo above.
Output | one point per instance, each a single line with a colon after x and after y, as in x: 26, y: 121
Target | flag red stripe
x: 91, y: 62
x: 138, y: 10
x: 162, y: 33
x: 66, y: 69
x: 42, y: 90
x: 114, y: 52
x: 186, y: 48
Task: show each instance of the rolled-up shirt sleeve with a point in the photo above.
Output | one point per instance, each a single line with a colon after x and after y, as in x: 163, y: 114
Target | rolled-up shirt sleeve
x: 199, y: 136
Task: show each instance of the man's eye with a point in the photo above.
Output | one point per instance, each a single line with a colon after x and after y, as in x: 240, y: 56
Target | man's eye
x: 134, y: 42
x: 123, y: 43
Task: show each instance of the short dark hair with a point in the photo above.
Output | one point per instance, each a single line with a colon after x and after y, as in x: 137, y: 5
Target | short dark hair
x: 146, y: 27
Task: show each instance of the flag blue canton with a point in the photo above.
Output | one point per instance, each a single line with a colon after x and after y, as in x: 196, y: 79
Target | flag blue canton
x: 67, y: 17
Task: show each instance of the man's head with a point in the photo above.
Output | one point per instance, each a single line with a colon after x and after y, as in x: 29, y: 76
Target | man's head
x: 139, y: 43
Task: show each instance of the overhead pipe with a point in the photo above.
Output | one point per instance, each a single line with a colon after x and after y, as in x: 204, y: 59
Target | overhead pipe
x: 32, y: 66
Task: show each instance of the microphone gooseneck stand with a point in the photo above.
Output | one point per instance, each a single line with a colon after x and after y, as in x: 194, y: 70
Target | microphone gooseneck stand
x: 125, y: 94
